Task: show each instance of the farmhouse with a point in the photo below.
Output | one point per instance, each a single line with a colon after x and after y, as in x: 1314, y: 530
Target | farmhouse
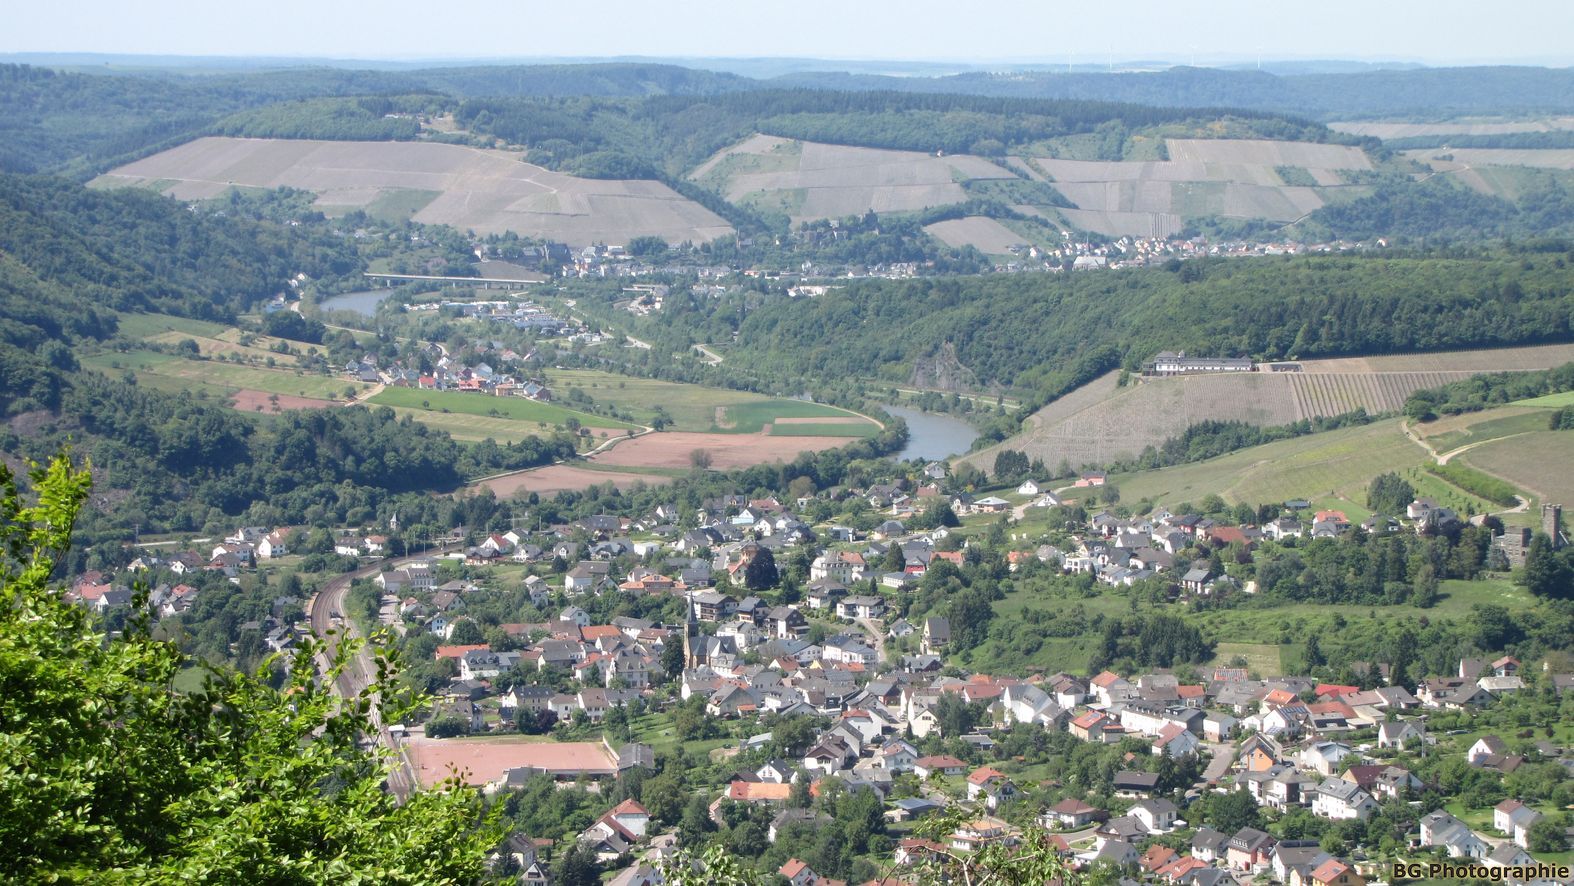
x: 1171, y: 363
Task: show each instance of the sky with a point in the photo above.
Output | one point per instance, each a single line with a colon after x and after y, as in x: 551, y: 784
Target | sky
x: 1207, y: 31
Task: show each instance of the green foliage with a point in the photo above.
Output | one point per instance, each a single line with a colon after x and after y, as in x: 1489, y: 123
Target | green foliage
x: 1475, y: 482
x: 1549, y: 573
x: 110, y: 774
x: 1211, y: 438
x: 1151, y: 641
x: 1562, y: 419
x: 1485, y: 391
x: 1442, y: 209
x: 1389, y: 494
x: 1005, y: 330
x: 293, y: 326
x: 761, y: 572
x: 1548, y: 835
x: 674, y: 133
x: 342, y: 119
x: 1011, y: 465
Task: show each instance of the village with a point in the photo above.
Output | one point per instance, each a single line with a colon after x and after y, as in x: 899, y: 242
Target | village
x: 893, y: 710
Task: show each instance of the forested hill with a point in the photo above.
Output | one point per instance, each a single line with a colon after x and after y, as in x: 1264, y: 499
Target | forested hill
x: 671, y: 134
x: 1040, y: 335
x: 71, y: 258
x: 1433, y: 91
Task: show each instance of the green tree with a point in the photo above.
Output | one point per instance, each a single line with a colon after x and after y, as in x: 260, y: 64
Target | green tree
x: 1547, y: 574
x: 1313, y: 656
x: 1389, y: 494
x: 1232, y: 811
x: 466, y: 633
x: 1548, y: 835
x: 1425, y: 591
x: 761, y: 572
x: 110, y: 774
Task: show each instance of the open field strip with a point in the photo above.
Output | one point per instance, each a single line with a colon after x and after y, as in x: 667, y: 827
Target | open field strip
x: 178, y: 373
x: 512, y: 409
x: 1548, y: 401
x: 1537, y: 462
x: 691, y: 407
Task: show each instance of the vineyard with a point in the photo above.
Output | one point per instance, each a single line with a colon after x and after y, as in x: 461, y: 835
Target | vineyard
x: 1323, y: 394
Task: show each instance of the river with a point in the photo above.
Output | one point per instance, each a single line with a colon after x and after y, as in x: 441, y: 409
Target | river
x: 930, y: 436
x: 364, y: 302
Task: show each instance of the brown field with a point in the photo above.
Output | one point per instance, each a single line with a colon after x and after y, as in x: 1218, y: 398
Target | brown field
x: 809, y: 180
x: 984, y: 234
x: 484, y: 760
x: 671, y: 449
x: 1482, y: 360
x: 1386, y: 129
x: 553, y: 479
x: 483, y: 190
x: 262, y: 401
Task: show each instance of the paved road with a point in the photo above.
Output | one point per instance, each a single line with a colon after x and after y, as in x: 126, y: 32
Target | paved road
x: 362, y: 669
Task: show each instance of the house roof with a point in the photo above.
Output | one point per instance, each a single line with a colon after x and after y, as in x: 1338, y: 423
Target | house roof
x: 629, y: 807
x: 984, y: 774
x: 1330, y: 870
x: 758, y: 791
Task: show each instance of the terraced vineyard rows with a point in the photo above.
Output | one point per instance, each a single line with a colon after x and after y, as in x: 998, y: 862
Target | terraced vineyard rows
x: 1323, y: 394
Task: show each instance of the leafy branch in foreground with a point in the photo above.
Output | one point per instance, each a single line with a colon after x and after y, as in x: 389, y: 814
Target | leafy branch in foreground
x: 108, y: 774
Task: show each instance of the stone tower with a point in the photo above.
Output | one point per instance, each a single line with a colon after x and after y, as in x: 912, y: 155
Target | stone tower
x: 1552, y: 524
x: 691, y: 635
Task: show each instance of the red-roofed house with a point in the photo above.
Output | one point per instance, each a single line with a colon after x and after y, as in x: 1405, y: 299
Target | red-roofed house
x: 1330, y: 690
x: 459, y: 651
x: 1175, y: 741
x: 798, y: 873
x: 941, y: 763
x: 1334, y: 872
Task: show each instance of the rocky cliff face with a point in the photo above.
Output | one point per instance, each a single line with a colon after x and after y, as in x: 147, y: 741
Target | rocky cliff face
x: 942, y: 371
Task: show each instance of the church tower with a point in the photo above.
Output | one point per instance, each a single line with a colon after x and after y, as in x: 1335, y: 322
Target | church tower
x: 691, y: 635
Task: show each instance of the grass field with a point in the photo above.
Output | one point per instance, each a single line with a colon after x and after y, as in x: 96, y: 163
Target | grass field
x: 170, y: 373
x: 1455, y: 431
x: 1537, y: 462
x: 150, y: 325
x: 1549, y: 401
x: 512, y: 409
x: 697, y: 407
x: 1276, y: 632
x: 399, y: 204
x: 861, y: 429
x: 1338, y: 464
x: 753, y: 416
x: 1261, y: 658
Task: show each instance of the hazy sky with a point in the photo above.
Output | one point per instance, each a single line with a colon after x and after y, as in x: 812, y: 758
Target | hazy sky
x: 1437, y: 31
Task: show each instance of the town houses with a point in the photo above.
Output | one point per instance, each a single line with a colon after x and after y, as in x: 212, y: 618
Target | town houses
x: 650, y: 615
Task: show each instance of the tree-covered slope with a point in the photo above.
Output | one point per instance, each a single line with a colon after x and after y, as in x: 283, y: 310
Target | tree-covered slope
x: 1042, y: 333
